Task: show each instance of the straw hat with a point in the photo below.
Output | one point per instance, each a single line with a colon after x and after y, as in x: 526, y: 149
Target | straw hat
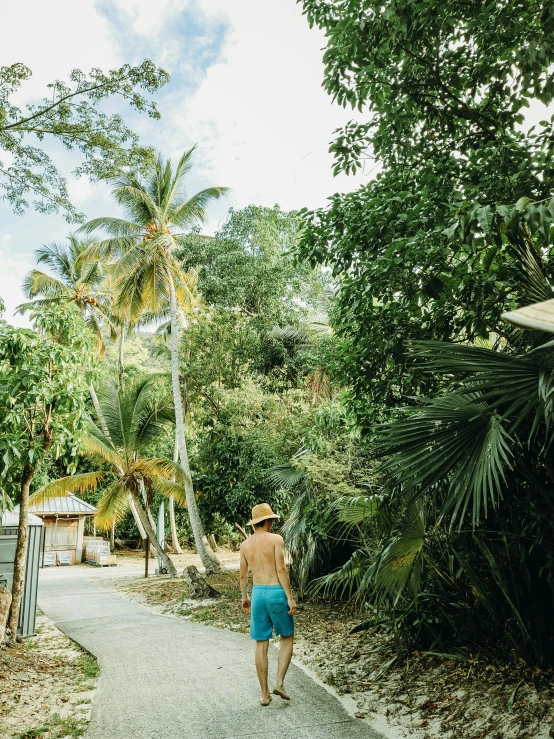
x: 261, y: 513
x: 539, y: 316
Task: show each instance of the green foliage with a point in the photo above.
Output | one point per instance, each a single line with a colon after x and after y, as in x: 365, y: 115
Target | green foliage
x: 248, y: 267
x: 72, y: 115
x: 77, y: 280
x: 445, y: 89
x: 252, y: 431
x: 129, y: 422
x: 44, y: 377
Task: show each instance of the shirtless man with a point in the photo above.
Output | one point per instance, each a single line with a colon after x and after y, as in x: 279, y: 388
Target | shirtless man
x: 273, y: 606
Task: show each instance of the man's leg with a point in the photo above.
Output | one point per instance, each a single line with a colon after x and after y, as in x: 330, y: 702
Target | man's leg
x: 262, y: 669
x: 285, y: 656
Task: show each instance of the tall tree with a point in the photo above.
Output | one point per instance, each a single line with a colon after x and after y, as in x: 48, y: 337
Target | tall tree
x: 443, y: 87
x: 71, y: 115
x: 75, y: 279
x: 149, y: 278
x: 133, y: 419
x: 45, y: 376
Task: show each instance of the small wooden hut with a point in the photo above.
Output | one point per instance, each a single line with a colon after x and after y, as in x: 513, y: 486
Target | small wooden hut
x: 64, y: 526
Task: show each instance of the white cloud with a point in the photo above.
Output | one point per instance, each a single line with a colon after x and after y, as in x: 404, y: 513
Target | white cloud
x: 14, y: 269
x: 54, y: 37
x: 260, y: 116
x: 254, y: 104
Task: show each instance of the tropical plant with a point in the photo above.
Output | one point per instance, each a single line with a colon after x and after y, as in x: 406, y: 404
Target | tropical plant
x: 133, y: 419
x: 467, y: 515
x: 76, y: 280
x: 44, y: 376
x: 443, y: 96
x: 148, y: 277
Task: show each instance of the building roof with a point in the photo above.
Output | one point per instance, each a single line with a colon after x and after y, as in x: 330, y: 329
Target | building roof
x: 63, y: 504
x: 10, y: 519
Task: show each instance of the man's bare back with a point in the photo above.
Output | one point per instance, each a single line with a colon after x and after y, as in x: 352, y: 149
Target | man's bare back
x: 260, y: 552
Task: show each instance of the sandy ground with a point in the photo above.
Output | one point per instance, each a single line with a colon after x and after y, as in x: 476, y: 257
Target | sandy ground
x: 133, y: 561
x: 425, y: 697
x: 46, y: 686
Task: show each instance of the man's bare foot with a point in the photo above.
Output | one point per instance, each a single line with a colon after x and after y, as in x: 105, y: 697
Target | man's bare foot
x: 266, y: 700
x: 282, y: 693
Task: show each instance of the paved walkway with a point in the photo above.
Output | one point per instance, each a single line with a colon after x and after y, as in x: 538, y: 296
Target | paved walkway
x: 167, y: 678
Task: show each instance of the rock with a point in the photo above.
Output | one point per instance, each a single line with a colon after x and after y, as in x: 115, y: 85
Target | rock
x: 199, y: 588
x: 5, y: 603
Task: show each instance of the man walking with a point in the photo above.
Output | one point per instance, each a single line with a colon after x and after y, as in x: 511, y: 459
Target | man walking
x: 272, y: 606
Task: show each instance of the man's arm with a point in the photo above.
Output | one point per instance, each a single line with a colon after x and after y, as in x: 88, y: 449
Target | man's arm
x: 243, y: 573
x: 283, y: 573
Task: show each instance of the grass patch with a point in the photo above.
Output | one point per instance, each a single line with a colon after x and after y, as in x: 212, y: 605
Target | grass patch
x: 56, y: 728
x: 89, y: 666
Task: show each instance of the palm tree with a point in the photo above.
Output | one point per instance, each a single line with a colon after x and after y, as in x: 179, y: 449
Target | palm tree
x: 134, y: 419
x: 148, y: 277
x: 76, y: 279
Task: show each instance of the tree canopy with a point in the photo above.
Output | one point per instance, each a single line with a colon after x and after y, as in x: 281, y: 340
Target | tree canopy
x: 445, y: 87
x: 73, y: 116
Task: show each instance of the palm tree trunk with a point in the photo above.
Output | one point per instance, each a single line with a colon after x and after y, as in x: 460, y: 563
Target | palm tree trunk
x: 20, y: 552
x: 151, y: 550
x: 167, y: 563
x: 138, y: 522
x: 121, y: 356
x: 209, y: 561
x: 174, y: 538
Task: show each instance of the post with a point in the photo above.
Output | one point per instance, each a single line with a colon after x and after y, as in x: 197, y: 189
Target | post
x: 146, y: 553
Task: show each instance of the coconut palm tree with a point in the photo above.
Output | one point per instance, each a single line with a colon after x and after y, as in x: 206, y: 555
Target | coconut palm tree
x: 133, y: 418
x: 148, y: 277
x: 76, y: 280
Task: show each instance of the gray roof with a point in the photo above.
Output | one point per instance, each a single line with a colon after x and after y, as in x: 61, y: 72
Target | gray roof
x: 63, y: 504
x: 10, y: 519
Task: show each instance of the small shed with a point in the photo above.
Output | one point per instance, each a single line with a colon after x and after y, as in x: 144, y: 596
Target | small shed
x: 64, y: 526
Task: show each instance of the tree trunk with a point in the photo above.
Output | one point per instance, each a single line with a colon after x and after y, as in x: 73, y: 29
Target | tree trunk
x: 209, y: 561
x: 112, y: 538
x: 121, y: 356
x: 198, y: 587
x: 151, y: 551
x: 167, y: 563
x: 174, y: 539
x: 5, y: 602
x: 21, y: 551
x: 138, y: 522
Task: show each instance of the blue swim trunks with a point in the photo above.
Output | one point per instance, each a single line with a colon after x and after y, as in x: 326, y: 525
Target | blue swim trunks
x: 269, y: 610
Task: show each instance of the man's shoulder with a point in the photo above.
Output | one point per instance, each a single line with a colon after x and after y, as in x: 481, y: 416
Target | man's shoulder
x: 277, y: 538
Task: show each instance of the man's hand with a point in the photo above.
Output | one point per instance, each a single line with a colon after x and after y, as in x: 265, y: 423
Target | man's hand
x: 292, y: 606
x: 246, y: 604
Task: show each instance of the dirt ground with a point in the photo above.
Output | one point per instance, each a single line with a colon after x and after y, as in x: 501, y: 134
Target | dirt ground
x: 46, y: 686
x: 425, y: 697
x: 131, y: 559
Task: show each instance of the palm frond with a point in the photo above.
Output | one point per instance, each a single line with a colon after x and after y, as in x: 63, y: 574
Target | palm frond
x: 112, y: 506
x: 169, y: 489
x: 81, y: 483
x: 194, y: 210
x: 401, y: 559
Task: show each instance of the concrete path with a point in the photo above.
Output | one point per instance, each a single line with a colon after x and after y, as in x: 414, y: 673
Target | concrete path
x: 168, y: 678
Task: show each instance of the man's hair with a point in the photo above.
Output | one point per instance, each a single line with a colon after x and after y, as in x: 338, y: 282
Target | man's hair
x: 260, y: 523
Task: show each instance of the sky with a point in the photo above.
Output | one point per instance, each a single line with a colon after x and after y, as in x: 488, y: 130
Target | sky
x: 245, y: 86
